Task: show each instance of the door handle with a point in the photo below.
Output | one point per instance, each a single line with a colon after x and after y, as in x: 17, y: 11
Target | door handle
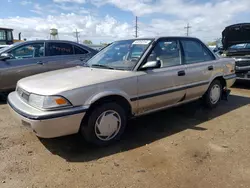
x: 181, y: 73
x: 210, y: 68
x: 40, y: 63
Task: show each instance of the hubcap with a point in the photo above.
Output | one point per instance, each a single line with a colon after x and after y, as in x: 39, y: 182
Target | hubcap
x: 107, y: 125
x: 215, y: 94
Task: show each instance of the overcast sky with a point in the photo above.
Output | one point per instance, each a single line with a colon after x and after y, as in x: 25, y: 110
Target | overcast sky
x: 108, y: 20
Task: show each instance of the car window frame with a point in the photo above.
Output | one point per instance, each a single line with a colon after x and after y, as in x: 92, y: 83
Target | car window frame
x: 78, y: 46
x: 47, y: 54
x: 26, y: 44
x: 151, y: 48
x: 202, y: 45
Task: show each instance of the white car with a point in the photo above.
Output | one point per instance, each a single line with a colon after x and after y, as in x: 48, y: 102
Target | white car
x: 3, y: 46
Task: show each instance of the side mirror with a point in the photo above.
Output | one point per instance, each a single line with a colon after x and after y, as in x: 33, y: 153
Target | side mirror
x: 151, y: 65
x: 5, y: 56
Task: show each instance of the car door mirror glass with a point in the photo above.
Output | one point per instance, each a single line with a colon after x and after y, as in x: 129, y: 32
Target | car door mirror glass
x: 151, y: 65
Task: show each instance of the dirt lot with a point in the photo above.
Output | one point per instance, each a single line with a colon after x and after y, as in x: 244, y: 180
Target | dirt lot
x: 186, y: 146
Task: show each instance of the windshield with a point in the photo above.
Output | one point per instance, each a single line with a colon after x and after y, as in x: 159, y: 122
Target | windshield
x: 241, y: 46
x: 120, y: 55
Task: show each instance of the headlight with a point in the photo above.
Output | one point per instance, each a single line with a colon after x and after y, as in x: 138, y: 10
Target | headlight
x: 48, y: 102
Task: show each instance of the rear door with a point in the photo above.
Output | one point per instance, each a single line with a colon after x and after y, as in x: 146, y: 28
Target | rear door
x: 64, y: 55
x: 27, y: 60
x: 200, y: 66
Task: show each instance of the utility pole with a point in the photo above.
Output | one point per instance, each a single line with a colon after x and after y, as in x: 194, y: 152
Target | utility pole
x: 77, y: 36
x: 136, y: 27
x: 187, y: 27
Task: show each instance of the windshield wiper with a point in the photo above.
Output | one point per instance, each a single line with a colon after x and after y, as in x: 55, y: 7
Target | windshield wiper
x: 102, y: 66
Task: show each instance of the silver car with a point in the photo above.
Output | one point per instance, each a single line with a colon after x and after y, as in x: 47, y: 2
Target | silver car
x: 128, y: 78
x: 28, y: 58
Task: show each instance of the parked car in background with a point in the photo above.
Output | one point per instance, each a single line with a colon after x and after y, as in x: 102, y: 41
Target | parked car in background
x: 127, y: 79
x: 3, y: 46
x: 236, y: 44
x: 24, y: 59
x: 218, y: 47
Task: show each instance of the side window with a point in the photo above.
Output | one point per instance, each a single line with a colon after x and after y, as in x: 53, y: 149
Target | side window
x: 80, y: 50
x: 167, y: 52
x: 195, y: 52
x: 60, y: 49
x: 28, y: 51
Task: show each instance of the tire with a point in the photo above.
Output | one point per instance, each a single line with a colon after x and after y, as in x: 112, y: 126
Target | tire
x: 209, y: 101
x: 113, y: 116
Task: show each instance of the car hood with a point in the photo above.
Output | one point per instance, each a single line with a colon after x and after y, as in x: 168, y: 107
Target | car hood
x: 55, y: 82
x: 236, y: 34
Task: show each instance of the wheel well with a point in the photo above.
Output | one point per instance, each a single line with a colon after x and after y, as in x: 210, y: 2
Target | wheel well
x: 112, y: 98
x: 222, y: 81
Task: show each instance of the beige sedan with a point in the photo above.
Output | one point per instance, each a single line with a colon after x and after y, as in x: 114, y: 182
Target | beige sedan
x: 126, y: 79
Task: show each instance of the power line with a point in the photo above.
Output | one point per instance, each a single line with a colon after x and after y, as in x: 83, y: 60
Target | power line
x: 136, y: 27
x: 77, y: 36
x: 187, y: 27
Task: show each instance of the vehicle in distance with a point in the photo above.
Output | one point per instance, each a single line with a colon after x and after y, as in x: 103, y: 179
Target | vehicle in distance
x: 236, y: 44
x: 6, y: 36
x: 126, y: 79
x: 24, y: 59
x: 3, y: 46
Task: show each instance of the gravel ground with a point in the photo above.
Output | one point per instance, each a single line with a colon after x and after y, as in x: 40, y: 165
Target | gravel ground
x: 188, y: 147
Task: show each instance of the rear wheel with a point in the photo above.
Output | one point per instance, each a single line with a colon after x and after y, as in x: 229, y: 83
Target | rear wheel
x: 213, y: 95
x: 104, y: 124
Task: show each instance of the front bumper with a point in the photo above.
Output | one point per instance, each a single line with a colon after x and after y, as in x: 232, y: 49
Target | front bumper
x: 46, y: 124
x: 230, y: 80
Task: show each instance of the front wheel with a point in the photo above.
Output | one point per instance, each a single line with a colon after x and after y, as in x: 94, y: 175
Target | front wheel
x: 104, y: 124
x: 213, y: 95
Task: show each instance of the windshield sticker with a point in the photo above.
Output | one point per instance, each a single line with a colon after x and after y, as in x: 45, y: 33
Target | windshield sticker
x: 145, y: 42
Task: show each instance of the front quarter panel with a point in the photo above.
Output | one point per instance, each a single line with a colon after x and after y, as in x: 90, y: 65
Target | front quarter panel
x: 85, y: 96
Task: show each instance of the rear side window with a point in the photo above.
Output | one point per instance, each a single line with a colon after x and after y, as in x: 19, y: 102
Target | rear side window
x: 60, y: 49
x: 195, y: 52
x: 79, y: 50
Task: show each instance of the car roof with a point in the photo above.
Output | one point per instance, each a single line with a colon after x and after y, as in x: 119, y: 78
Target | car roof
x: 66, y: 41
x: 3, y: 28
x: 158, y: 37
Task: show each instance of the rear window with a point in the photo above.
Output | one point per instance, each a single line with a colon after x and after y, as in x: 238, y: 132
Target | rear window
x: 80, y: 50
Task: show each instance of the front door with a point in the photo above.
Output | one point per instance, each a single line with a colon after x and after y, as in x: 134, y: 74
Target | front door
x: 26, y: 60
x: 200, y: 64
x: 163, y: 86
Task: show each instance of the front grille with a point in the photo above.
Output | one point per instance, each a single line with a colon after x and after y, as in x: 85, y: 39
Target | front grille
x: 24, y: 95
x: 242, y: 62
